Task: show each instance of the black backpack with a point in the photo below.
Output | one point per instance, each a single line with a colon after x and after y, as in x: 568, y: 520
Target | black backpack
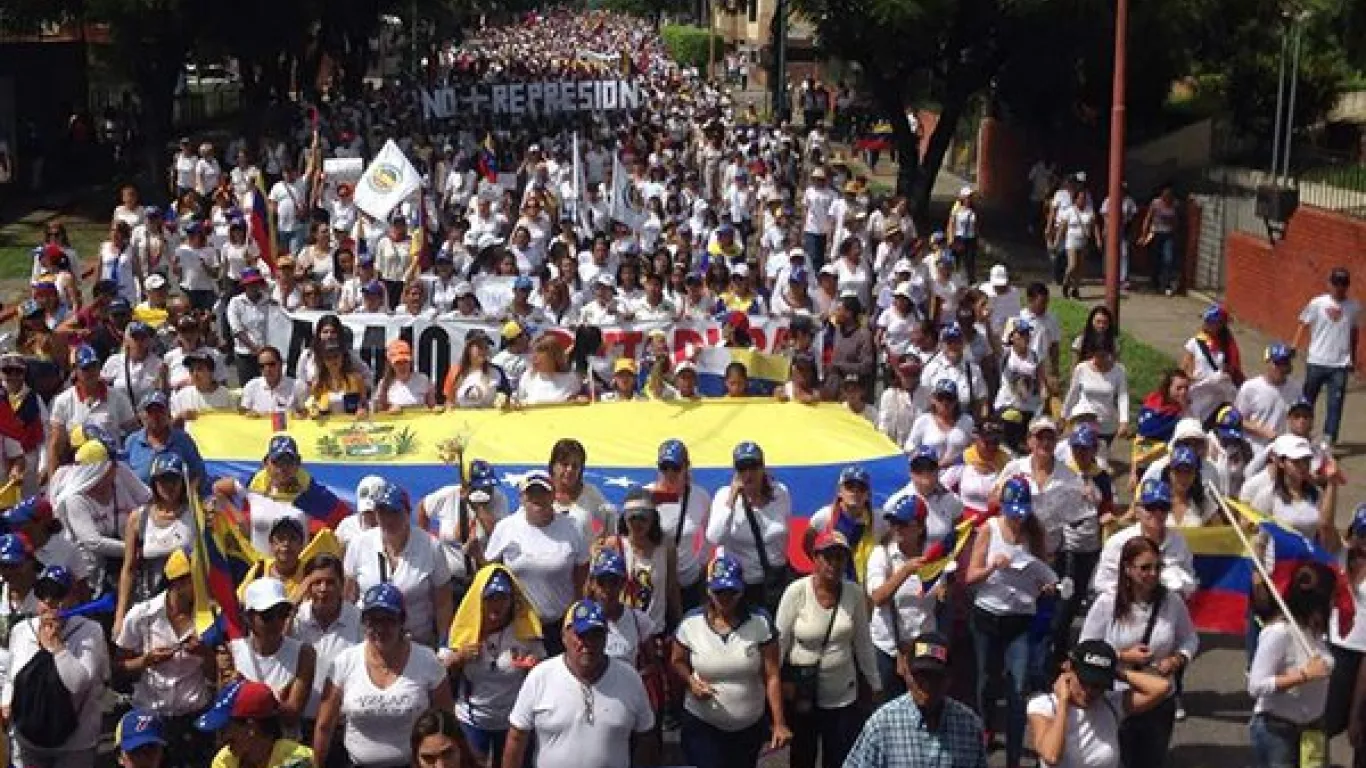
x: 42, y: 709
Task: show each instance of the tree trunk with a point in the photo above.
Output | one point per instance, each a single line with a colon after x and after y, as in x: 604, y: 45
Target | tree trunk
x: 955, y: 103
x: 890, y: 99
x: 156, y: 77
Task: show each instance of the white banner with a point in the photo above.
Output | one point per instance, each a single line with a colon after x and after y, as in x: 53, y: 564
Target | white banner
x: 536, y: 98
x: 388, y: 181
x: 437, y: 344
x: 495, y: 292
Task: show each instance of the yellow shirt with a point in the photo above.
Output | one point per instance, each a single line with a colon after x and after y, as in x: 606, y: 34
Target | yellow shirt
x: 285, y: 754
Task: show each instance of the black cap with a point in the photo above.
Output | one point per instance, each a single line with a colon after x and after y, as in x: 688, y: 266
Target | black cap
x: 1340, y: 276
x: 929, y: 652
x: 1095, y: 663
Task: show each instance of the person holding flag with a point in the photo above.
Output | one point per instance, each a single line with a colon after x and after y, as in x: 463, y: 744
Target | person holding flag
x: 903, y: 587
x: 851, y: 513
x: 281, y: 487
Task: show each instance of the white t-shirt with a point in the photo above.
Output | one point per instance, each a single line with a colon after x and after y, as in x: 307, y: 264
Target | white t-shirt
x: 290, y: 198
x: 443, y: 514
x: 111, y: 413
x: 537, y: 388
x: 1265, y: 403
x: 344, y: 632
x: 409, y: 394
x: 490, y: 681
x: 690, y: 544
x: 912, y: 607
x: 732, y: 664
x: 729, y: 527
x: 1092, y: 739
x: 288, y: 395
x: 1330, y: 330
x: 949, y: 443
x: 818, y: 201
x: 176, y: 686
x: 542, y: 558
x: 189, y: 398
x: 1277, y: 654
x: 419, y: 570
x: 195, y: 266
x: 380, y: 720
x: 551, y: 705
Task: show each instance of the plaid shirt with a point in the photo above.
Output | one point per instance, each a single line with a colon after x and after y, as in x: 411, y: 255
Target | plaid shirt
x: 897, y: 737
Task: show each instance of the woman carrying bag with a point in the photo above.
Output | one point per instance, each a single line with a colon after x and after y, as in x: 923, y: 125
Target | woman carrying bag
x: 749, y: 518
x: 828, y: 657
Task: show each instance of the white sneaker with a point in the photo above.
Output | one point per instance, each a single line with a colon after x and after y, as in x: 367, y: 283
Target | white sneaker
x: 1180, y: 710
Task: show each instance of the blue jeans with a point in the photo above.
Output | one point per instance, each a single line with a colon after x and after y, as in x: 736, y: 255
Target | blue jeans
x: 1163, y: 250
x: 487, y: 744
x: 1315, y: 376
x: 705, y: 744
x: 1275, y: 743
x: 1001, y: 645
x: 815, y: 246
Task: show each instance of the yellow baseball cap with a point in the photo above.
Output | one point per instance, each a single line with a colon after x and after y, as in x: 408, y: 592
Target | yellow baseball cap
x: 177, y: 565
x: 512, y: 329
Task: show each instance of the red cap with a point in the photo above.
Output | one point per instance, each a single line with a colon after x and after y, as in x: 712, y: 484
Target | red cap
x: 54, y: 251
x: 254, y: 701
x: 738, y: 320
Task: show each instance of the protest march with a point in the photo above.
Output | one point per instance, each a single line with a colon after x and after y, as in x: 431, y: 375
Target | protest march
x: 564, y: 411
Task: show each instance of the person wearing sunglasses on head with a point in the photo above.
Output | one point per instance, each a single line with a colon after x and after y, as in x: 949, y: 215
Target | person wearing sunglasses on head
x: 59, y: 663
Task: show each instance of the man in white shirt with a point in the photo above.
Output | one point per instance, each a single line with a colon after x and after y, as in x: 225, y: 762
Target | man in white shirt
x: 1047, y: 332
x: 272, y: 391
x: 1002, y: 297
x: 248, y: 316
x: 1332, y: 323
x: 1264, y: 401
x: 582, y: 707
x: 288, y: 200
x: 818, y: 224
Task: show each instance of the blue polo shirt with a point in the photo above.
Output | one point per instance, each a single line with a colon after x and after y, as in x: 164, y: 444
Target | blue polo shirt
x: 140, y: 453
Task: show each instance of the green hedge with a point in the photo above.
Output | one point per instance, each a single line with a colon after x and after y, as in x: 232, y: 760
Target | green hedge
x: 689, y: 46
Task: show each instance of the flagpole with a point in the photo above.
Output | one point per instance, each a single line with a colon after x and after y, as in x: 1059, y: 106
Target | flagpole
x: 1235, y: 523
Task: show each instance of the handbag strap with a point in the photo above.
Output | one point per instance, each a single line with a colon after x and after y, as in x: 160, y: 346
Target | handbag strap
x: 683, y: 515
x: 1158, y: 598
x: 759, y: 541
x: 834, y: 611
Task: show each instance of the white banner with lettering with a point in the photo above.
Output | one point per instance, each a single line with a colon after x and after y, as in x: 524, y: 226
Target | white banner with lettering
x: 437, y: 344
x: 547, y: 97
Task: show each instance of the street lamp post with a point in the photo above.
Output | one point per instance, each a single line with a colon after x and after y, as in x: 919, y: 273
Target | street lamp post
x: 1114, y: 221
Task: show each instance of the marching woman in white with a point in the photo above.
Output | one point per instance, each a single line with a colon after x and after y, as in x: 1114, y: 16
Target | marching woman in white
x: 683, y: 509
x: 267, y: 655
x: 749, y: 518
x: 945, y: 427
x: 495, y: 640
x: 545, y: 551
x: 582, y: 501
x: 944, y: 508
x: 651, y: 565
x: 1150, y: 630
x: 399, y: 553
x: 463, y: 519
x: 1288, y: 681
x: 50, y: 653
x: 903, y: 608
x: 380, y: 687
x: 1023, y: 385
x: 583, y: 707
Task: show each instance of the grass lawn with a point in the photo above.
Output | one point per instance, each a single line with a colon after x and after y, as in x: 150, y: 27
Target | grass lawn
x: 18, y: 238
x: 1144, y: 363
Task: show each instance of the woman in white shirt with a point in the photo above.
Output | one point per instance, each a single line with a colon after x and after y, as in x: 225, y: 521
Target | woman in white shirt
x: 402, y: 387
x: 582, y: 501
x: 1150, y: 629
x: 494, y: 643
x: 81, y: 654
x: 1348, y: 643
x: 683, y: 507
x: 136, y: 369
x: 1024, y: 387
x: 1293, y: 500
x: 197, y: 264
x: 651, y: 562
x: 728, y: 654
x: 548, y: 378
x: 903, y: 602
x: 823, y: 638
x: 1078, y: 724
x: 380, y: 687
x: 944, y: 427
x: 476, y: 382
x: 546, y: 552
x: 1210, y: 359
x: 1103, y: 383
x: 1289, y: 674
x: 1192, y: 505
x: 901, y: 401
x: 1010, y: 573
x: 980, y: 473
x: 268, y: 655
x: 852, y: 273
x: 750, y: 519
x: 399, y: 553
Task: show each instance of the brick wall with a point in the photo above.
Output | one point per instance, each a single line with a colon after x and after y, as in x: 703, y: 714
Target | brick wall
x: 1268, y: 285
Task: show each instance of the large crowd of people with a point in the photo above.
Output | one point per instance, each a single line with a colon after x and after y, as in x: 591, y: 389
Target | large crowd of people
x: 1024, y: 567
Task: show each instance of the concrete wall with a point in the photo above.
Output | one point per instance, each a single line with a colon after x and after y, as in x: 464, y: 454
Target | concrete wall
x: 1268, y: 285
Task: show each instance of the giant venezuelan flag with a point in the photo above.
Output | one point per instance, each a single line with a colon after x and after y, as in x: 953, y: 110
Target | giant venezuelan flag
x: 805, y: 446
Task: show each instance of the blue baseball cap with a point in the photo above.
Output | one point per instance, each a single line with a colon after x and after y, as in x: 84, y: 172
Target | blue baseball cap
x: 155, y: 398
x: 608, y: 562
x: 1085, y: 437
x: 747, y: 452
x: 382, y: 597
x: 947, y: 388
x: 56, y: 574
x: 32, y: 509
x: 1302, y: 403
x: 86, y: 356
x: 1228, y: 423
x: 522, y: 283
x: 482, y: 475
x: 945, y: 257
x: 855, y: 474
x: 1185, y: 456
x: 1155, y: 493
x: 29, y: 308
x: 925, y: 454
x: 499, y: 583
x: 282, y: 446
x: 1017, y: 500
x: 390, y: 496
x: 1280, y: 354
x: 725, y: 574
x: 120, y: 305
x: 585, y: 616
x: 166, y: 463
x: 373, y: 288
x: 907, y: 509
x: 799, y: 275
x: 952, y: 332
x: 1214, y: 313
x: 672, y: 452
x: 138, y: 729
x: 14, y: 550
x: 1356, y: 528
x: 240, y: 699
x: 138, y: 328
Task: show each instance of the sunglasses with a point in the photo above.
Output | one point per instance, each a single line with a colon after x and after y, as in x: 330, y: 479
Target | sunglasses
x: 278, y: 613
x: 745, y: 466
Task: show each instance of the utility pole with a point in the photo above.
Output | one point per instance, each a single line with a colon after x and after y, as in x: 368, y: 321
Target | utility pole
x: 779, y: 76
x: 1114, y: 222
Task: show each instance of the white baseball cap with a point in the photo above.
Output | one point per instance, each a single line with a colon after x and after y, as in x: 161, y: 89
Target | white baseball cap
x: 154, y: 281
x: 1187, y: 429
x: 263, y: 594
x: 1292, y: 447
x: 902, y: 289
x: 365, y: 492
x: 1000, y: 278
x: 902, y: 265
